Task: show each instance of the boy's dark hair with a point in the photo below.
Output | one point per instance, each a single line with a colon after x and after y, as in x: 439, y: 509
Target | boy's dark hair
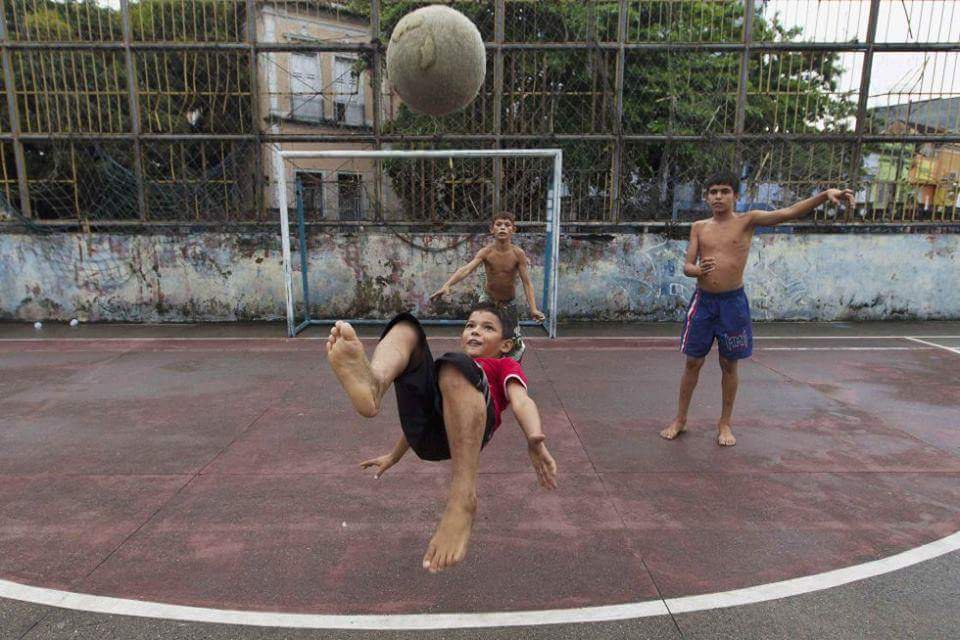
x: 727, y: 178
x: 504, y: 215
x: 508, y: 323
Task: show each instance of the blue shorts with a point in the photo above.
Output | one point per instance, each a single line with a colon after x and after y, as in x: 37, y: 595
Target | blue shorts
x: 724, y: 316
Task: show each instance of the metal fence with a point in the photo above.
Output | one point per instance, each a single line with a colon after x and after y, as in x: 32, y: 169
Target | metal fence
x: 152, y: 112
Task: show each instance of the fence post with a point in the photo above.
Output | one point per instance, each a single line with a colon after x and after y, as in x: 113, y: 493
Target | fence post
x: 616, y: 160
x: 19, y: 159
x: 376, y: 79
x: 133, y: 94
x: 744, y: 79
x: 857, y: 156
x: 259, y: 199
x: 499, y: 34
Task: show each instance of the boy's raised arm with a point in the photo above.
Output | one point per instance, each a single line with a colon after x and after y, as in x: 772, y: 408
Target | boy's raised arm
x: 802, y: 208
x: 524, y: 268
x: 529, y: 418
x: 460, y: 274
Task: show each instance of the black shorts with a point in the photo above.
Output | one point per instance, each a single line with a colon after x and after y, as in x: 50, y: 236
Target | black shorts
x: 419, y: 401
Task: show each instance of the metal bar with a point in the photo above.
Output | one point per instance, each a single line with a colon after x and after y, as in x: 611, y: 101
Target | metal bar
x: 856, y: 155
x: 434, y: 322
x: 904, y: 47
x: 586, y: 226
x: 555, y: 267
x: 133, y: 95
x: 616, y: 158
x: 302, y: 232
x: 377, y: 82
x: 259, y: 200
x: 743, y: 80
x: 292, y: 47
x: 19, y: 159
x: 427, y: 227
x: 281, y: 186
x: 545, y: 299
x: 499, y: 21
x: 401, y: 138
x: 425, y: 153
x: 300, y: 327
x: 191, y: 46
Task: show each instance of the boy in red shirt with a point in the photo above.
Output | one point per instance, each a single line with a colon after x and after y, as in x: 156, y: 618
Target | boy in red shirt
x: 449, y: 408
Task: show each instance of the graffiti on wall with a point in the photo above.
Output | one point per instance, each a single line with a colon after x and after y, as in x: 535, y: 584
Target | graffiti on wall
x: 229, y: 277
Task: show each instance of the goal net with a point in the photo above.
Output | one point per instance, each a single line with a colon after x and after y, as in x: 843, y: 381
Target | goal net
x: 436, y: 205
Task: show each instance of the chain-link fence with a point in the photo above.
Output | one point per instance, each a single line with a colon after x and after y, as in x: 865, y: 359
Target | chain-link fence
x: 152, y: 112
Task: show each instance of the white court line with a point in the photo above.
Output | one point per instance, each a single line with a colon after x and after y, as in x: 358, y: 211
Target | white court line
x: 934, y: 344
x: 527, y: 338
x: 406, y: 622
x: 605, y: 348
x: 846, y: 349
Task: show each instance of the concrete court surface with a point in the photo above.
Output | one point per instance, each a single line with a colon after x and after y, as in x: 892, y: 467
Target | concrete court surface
x: 206, y: 472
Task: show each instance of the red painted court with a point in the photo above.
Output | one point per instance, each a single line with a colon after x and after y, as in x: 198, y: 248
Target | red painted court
x: 177, y: 466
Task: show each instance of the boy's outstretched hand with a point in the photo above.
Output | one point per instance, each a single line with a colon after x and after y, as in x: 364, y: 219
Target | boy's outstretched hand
x: 439, y: 293
x: 382, y: 463
x: 538, y: 315
x: 543, y: 462
x: 841, y: 197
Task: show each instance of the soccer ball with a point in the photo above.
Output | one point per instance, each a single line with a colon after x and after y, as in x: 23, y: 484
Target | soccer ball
x: 436, y: 60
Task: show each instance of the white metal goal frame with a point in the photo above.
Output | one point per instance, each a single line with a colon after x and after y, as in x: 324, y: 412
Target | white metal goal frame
x: 551, y: 260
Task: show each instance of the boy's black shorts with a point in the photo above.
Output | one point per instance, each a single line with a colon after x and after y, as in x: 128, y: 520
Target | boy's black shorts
x: 419, y: 401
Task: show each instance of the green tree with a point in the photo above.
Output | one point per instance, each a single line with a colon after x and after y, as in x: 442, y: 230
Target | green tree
x: 180, y: 92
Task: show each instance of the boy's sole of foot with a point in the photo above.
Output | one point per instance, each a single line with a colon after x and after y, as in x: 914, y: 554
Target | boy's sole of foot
x: 350, y: 365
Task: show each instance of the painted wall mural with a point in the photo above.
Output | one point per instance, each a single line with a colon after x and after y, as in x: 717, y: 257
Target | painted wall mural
x: 228, y: 277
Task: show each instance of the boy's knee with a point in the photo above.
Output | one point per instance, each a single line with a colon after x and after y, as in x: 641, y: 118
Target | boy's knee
x: 728, y: 366
x: 694, y: 364
x: 451, y: 379
x: 405, y: 330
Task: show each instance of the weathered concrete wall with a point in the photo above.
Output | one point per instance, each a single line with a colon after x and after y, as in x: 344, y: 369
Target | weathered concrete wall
x: 224, y: 277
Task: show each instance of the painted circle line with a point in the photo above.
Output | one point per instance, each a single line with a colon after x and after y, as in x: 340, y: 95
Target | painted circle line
x: 410, y: 622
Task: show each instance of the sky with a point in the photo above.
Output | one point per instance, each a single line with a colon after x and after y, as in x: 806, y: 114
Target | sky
x: 895, y: 77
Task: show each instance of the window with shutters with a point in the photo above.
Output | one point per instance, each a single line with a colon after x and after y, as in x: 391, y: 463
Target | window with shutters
x: 306, y: 88
x: 348, y: 92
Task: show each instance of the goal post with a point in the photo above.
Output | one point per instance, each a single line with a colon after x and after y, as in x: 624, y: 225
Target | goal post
x: 551, y: 258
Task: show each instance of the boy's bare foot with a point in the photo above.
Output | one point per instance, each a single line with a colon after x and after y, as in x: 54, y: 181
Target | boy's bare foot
x: 350, y: 364
x: 725, y: 435
x: 448, y: 546
x: 676, y: 428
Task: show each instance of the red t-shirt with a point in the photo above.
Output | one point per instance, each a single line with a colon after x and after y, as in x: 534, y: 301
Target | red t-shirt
x: 499, y: 371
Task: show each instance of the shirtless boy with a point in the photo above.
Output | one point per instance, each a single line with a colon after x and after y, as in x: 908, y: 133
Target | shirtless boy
x: 449, y: 408
x: 718, y: 309
x: 502, y: 261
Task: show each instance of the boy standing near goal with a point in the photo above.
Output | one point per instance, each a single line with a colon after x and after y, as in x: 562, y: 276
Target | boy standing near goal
x: 502, y: 262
